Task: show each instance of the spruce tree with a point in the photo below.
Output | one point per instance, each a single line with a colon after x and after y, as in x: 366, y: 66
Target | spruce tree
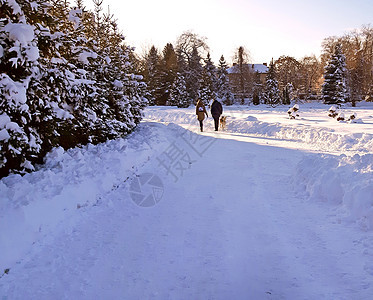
x: 153, y: 76
x: 19, y: 54
x: 272, y: 92
x: 193, y: 75
x: 223, y: 88
x: 179, y: 96
x: 208, y: 81
x: 334, y: 87
x: 168, y: 72
x: 67, y: 78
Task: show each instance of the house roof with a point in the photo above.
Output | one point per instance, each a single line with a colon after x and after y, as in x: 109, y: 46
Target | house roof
x: 260, y: 68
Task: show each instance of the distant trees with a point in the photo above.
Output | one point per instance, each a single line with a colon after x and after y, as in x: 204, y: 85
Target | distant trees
x: 298, y: 79
x: 310, y: 74
x: 357, y: 47
x: 182, y: 74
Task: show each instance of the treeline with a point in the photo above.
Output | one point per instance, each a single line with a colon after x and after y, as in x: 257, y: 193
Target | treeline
x: 181, y: 74
x: 343, y: 73
x: 66, y: 78
x: 178, y: 75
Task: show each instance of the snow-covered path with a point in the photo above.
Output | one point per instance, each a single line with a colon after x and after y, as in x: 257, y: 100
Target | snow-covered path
x: 231, y: 227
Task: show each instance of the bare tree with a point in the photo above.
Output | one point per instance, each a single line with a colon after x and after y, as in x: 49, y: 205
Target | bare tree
x: 287, y: 71
x: 244, y: 75
x: 188, y: 41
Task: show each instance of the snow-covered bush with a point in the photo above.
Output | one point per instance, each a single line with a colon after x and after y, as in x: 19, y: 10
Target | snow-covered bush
x: 333, y: 112
x: 293, y: 112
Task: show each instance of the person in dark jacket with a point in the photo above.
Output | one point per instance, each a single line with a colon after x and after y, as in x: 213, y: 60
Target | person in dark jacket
x: 200, y: 112
x: 216, y: 111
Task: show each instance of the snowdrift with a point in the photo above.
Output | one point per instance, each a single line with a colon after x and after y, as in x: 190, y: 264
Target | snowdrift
x: 33, y: 205
x: 343, y: 181
x: 246, y: 121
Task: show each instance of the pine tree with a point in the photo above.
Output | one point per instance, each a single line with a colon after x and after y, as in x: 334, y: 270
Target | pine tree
x: 193, y: 75
x: 272, y: 92
x: 334, y: 87
x: 208, y: 81
x: 153, y: 76
x: 168, y: 72
x: 179, y: 96
x: 67, y: 78
x: 223, y: 88
x: 19, y: 54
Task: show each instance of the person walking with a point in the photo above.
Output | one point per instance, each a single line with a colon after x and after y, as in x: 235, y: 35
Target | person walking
x: 200, y: 112
x: 216, y: 111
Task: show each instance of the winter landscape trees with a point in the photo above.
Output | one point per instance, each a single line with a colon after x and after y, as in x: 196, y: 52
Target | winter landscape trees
x: 297, y: 79
x: 334, y: 87
x: 67, y: 78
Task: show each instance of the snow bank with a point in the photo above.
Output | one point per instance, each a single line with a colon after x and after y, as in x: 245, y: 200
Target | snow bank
x: 33, y: 205
x: 242, y: 122
x: 346, y: 182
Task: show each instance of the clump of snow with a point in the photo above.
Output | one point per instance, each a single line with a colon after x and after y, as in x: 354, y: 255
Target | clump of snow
x: 292, y: 112
x: 15, y: 91
x: 4, y: 119
x: 23, y: 33
x: 13, y: 127
x: 4, y: 135
x: 341, y: 116
x: 62, y: 114
x: 54, y: 157
x: 74, y: 17
x: 84, y: 55
x: 251, y: 119
x: 118, y: 83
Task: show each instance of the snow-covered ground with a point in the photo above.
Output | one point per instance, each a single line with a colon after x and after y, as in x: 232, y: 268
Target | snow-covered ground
x: 270, y: 208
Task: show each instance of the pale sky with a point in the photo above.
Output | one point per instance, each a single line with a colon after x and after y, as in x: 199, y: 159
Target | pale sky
x: 267, y: 28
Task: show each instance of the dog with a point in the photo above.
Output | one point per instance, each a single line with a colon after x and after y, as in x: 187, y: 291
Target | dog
x: 223, y: 122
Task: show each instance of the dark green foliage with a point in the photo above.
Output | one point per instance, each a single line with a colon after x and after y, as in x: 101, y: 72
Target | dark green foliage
x: 334, y: 87
x: 272, y: 92
x: 222, y: 85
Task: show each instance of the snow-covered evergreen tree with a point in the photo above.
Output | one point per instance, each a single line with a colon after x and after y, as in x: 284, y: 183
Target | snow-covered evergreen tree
x: 168, y: 72
x: 334, y: 87
x: 193, y: 75
x: 272, y: 93
x: 19, y: 54
x: 223, y: 88
x: 153, y: 76
x: 208, y: 81
x: 67, y: 78
x: 179, y: 96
